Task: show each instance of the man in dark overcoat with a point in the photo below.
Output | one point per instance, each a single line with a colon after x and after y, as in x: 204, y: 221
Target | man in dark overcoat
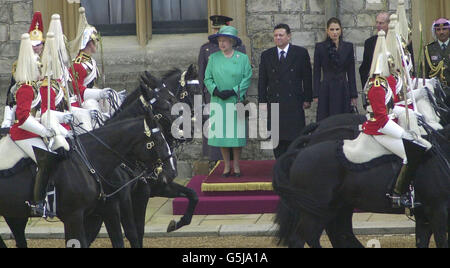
x: 213, y: 153
x: 382, y: 22
x: 285, y: 77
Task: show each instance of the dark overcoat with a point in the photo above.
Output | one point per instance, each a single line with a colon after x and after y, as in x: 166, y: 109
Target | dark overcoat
x: 334, y: 81
x: 289, y: 84
x: 369, y: 49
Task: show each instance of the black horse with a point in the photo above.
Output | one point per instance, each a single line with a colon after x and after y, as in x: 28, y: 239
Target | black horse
x: 119, y: 209
x: 160, y: 98
x: 78, y: 191
x: 320, y: 193
x: 346, y: 126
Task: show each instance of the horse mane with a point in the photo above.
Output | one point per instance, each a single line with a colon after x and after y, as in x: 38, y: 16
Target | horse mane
x: 108, y: 128
x: 171, y: 74
x: 134, y: 95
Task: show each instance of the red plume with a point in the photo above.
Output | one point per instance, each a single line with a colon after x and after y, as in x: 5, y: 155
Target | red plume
x: 37, y: 20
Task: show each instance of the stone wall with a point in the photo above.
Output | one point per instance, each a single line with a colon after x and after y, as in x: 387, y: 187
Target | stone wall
x: 15, y: 18
x: 307, y: 19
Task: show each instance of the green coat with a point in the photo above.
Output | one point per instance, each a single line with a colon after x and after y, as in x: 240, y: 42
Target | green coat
x: 225, y: 74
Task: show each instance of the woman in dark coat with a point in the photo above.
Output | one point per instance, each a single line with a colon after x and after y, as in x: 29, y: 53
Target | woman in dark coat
x: 335, y: 91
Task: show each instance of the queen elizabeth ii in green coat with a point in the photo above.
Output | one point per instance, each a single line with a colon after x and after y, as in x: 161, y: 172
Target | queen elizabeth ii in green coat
x: 227, y: 77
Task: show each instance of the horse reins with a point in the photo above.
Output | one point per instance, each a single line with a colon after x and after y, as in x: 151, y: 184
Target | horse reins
x: 124, y: 165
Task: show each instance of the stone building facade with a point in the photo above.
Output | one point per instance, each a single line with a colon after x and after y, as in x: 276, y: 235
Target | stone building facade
x: 15, y: 17
x: 307, y: 19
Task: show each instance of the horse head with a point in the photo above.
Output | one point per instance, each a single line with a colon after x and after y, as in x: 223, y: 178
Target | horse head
x: 164, y: 166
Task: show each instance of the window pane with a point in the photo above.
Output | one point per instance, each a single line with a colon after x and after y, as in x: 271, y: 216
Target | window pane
x: 194, y: 10
x: 180, y: 16
x: 97, y: 11
x: 100, y: 12
x: 111, y: 17
x: 166, y: 10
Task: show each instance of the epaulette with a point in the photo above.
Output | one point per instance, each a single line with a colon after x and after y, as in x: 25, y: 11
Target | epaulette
x: 27, y: 83
x: 432, y: 43
x: 380, y: 81
x: 44, y: 83
x: 82, y: 57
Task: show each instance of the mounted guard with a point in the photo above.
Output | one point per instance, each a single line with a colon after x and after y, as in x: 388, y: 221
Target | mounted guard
x: 384, y: 129
x: 27, y: 132
x: 84, y: 72
x: 36, y: 33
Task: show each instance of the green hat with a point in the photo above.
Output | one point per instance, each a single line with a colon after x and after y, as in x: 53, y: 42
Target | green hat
x: 226, y: 31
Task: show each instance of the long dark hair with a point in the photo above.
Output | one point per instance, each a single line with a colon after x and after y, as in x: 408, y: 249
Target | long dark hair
x: 337, y: 21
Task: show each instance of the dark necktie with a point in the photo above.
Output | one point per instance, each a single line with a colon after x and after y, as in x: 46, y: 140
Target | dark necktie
x: 282, y: 57
x: 444, y: 47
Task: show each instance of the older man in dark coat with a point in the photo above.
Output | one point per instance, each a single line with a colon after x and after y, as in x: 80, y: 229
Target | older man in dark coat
x: 382, y: 22
x: 285, y: 77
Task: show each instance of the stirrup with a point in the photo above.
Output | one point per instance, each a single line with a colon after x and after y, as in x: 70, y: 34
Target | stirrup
x: 39, y: 209
x: 403, y: 201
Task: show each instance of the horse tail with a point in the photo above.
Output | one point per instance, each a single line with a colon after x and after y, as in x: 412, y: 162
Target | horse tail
x: 288, y: 212
x: 286, y: 217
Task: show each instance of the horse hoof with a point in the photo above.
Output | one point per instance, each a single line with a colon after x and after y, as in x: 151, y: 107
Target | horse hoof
x: 172, y: 226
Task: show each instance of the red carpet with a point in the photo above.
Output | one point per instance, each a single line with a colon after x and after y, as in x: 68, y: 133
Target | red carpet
x: 250, y: 194
x: 256, y: 179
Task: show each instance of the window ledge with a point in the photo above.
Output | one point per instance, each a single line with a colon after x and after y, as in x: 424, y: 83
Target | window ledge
x: 129, y: 43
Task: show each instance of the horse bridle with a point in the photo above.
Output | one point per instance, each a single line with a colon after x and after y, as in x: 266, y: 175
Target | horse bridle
x: 126, y: 165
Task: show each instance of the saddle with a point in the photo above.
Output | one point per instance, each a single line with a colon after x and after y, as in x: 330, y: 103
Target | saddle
x: 13, y: 158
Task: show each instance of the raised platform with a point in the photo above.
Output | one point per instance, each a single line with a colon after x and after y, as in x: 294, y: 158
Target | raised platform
x: 250, y: 194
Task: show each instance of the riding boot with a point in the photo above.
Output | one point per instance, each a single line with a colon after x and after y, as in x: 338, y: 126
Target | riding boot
x: 45, y: 161
x: 401, y: 196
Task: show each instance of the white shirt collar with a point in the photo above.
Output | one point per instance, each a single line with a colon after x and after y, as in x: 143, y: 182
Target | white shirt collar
x: 446, y: 43
x: 286, y: 49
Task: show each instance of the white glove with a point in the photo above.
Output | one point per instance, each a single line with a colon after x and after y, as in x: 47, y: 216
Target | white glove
x: 49, y: 133
x: 6, y: 123
x: 123, y: 95
x: 94, y: 114
x: 409, y: 135
x: 7, y: 118
x: 96, y: 94
x: 105, y: 93
x: 68, y: 118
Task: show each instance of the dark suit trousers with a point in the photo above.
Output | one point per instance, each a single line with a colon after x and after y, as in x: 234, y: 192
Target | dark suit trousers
x: 282, y: 148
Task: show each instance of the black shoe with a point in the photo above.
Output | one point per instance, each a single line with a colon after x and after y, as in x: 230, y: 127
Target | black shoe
x: 237, y: 175
x: 403, y: 201
x: 226, y: 175
x: 39, y: 209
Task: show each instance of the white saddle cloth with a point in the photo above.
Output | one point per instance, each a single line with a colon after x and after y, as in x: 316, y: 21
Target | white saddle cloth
x: 363, y: 149
x: 11, y: 154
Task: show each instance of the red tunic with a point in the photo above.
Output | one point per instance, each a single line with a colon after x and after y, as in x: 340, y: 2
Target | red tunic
x: 78, y: 82
x: 24, y: 98
x: 80, y: 73
x: 377, y: 100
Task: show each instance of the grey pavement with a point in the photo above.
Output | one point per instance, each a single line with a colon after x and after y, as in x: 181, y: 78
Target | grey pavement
x: 159, y: 214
